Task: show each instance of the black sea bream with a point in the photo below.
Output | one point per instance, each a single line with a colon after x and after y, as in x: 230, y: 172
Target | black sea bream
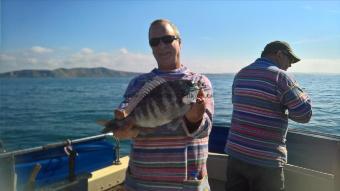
x: 157, y: 103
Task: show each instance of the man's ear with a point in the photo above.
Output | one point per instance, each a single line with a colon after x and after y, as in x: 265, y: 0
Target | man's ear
x: 278, y: 52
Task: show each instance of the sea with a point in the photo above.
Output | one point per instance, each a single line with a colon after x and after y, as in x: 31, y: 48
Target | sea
x: 39, y: 111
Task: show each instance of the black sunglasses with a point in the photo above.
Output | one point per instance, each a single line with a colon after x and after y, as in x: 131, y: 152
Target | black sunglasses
x: 167, y: 39
x: 288, y: 55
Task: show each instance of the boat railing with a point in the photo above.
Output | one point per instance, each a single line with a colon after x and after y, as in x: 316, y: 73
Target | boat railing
x: 58, y: 165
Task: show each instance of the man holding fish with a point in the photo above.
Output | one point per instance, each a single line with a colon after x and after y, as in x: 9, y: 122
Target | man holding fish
x: 168, y: 115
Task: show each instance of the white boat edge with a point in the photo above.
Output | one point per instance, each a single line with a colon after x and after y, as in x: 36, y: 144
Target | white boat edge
x: 297, y: 178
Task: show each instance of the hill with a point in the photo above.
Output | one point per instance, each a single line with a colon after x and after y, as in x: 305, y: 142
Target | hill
x: 66, y: 73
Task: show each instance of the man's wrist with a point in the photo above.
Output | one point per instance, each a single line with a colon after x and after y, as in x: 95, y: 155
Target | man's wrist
x: 192, y: 126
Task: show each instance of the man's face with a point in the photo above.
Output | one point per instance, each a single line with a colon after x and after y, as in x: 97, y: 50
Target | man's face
x: 166, y: 53
x: 285, y: 60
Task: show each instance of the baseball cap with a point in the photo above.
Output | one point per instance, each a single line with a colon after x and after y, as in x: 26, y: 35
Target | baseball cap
x: 283, y: 46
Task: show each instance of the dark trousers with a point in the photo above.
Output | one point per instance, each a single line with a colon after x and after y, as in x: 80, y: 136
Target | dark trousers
x: 242, y: 176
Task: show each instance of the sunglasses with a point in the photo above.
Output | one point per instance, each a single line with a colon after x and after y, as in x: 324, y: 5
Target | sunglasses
x: 289, y: 56
x: 167, y: 39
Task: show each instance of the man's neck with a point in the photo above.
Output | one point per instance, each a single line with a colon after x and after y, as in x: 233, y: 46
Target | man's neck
x: 273, y: 60
x: 169, y: 68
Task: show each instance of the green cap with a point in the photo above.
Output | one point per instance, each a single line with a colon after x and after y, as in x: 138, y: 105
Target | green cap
x: 283, y: 46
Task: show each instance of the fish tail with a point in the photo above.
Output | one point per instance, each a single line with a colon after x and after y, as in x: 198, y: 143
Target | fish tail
x: 109, y: 125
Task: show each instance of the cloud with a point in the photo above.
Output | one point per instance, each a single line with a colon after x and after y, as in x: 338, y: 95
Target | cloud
x: 213, y: 65
x: 6, y: 58
x: 34, y: 58
x: 123, y: 59
x: 315, y: 65
x: 307, y: 65
x: 41, y: 50
x: 32, y: 61
x: 86, y: 51
x: 124, y: 51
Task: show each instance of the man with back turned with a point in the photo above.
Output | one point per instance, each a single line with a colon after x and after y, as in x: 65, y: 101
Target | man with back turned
x: 264, y: 97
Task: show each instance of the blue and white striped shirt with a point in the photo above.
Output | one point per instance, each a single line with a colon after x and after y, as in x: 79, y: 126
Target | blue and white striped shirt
x: 264, y: 97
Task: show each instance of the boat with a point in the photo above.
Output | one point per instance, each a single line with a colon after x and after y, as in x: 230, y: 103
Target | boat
x: 313, y: 160
x: 94, y: 164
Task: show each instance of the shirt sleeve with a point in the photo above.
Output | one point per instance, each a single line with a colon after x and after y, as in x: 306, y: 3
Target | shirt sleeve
x: 205, y: 126
x: 134, y: 85
x: 127, y: 95
x: 293, y: 98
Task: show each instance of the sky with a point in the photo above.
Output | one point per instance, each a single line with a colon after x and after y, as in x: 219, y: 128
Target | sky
x: 217, y: 36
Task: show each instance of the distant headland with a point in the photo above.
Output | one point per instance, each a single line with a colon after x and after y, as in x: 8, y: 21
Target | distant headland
x: 67, y: 73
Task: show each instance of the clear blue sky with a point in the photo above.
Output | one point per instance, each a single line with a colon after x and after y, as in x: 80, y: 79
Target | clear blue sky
x: 218, y: 36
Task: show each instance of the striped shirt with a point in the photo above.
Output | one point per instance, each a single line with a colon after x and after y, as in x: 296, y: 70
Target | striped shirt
x: 264, y: 97
x: 174, y: 159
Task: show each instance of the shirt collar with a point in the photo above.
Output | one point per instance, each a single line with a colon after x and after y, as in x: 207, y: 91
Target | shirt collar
x: 266, y: 61
x: 182, y: 69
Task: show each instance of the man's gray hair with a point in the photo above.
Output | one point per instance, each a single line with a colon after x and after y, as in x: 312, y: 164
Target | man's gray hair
x: 158, y: 21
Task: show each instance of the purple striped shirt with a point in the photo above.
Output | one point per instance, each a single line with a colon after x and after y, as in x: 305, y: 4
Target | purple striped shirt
x: 166, y: 159
x: 264, y: 97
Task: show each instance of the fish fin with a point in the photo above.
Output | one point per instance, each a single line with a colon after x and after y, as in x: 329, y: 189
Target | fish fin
x: 146, y: 89
x: 191, y: 97
x: 103, y: 122
x: 120, y: 114
x: 108, y: 125
x: 106, y: 130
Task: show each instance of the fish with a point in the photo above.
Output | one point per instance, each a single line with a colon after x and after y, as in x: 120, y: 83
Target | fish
x: 157, y: 103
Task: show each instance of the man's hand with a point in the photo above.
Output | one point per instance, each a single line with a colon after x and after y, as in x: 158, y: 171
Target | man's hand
x: 195, y: 114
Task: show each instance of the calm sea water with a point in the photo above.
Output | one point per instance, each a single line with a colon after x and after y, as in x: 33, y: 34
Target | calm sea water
x: 35, y: 112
